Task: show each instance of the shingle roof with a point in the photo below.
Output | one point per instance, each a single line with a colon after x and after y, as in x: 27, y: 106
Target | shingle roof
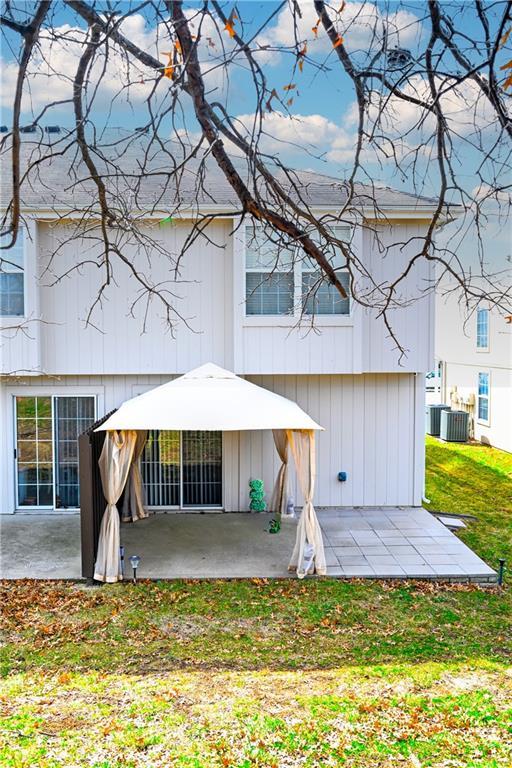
x: 59, y: 179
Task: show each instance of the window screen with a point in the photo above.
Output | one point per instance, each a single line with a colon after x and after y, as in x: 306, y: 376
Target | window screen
x: 321, y: 297
x: 12, y: 301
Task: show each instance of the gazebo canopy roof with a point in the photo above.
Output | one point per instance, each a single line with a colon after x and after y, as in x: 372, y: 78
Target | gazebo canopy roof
x: 209, y: 398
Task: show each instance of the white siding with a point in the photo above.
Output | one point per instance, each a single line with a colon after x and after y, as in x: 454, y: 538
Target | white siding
x: 373, y: 431
x: 413, y: 320
x: 117, y: 343
x: 210, y: 296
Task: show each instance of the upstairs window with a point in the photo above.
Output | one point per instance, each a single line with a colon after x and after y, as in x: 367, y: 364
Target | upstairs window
x: 483, y: 396
x: 12, y: 262
x: 482, y: 329
x: 269, y: 276
x: 280, y: 281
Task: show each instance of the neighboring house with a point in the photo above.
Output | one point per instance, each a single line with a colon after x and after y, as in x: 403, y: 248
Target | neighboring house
x: 60, y: 375
x: 475, y: 358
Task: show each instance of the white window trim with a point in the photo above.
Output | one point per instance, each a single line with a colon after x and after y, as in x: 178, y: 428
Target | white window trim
x: 483, y: 422
x: 486, y: 348
x: 40, y: 391
x: 289, y: 321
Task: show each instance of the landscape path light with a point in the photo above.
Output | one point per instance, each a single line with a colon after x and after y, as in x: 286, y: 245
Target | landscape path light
x: 134, y: 560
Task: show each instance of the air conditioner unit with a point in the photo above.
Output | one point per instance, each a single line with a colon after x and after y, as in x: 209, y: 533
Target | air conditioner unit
x: 433, y: 418
x: 454, y: 426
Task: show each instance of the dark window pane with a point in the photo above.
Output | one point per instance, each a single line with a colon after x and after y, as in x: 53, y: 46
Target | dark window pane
x: 27, y: 495
x: 44, y: 474
x: 11, y: 294
x: 27, y: 474
x: 202, y: 468
x: 46, y: 495
x: 322, y: 298
x: 269, y: 293
x: 160, y: 468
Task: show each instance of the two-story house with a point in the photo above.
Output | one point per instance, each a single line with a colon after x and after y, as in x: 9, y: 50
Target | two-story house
x: 242, y: 313
x: 475, y: 361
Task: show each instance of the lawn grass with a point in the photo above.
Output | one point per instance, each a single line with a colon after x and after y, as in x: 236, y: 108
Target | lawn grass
x: 475, y: 480
x: 271, y: 673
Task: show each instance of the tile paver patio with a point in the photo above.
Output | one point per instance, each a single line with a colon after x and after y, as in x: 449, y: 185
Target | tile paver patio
x: 397, y: 542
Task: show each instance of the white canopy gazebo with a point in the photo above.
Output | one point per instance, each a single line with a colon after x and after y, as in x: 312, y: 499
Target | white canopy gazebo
x: 207, y: 398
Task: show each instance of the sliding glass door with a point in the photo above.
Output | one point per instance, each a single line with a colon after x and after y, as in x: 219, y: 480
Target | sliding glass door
x: 183, y: 469
x: 46, y: 450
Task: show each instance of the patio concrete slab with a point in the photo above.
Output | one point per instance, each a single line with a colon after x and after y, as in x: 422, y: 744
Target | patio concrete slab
x: 195, y: 546
x: 237, y: 545
x: 40, y: 546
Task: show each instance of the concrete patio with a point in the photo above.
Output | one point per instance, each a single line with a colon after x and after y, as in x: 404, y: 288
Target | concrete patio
x: 363, y: 543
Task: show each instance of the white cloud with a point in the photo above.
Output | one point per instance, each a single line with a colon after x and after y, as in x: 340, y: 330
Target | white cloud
x: 363, y: 26
x: 53, y: 66
x: 54, y: 63
x: 301, y: 133
x: 464, y: 107
x: 486, y: 193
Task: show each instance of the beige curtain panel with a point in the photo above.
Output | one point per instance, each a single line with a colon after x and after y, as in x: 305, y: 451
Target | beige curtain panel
x: 133, y: 500
x: 115, y: 461
x: 280, y: 493
x: 309, y: 535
